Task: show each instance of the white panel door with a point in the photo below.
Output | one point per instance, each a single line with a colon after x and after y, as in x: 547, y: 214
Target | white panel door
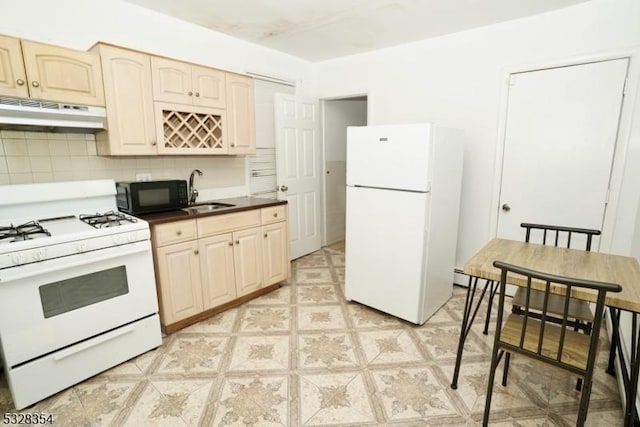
x: 559, y: 143
x: 298, y: 161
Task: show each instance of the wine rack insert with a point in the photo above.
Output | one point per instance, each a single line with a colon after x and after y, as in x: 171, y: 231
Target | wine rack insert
x: 190, y: 130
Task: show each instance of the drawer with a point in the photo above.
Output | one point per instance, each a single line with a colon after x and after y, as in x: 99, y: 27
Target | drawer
x: 273, y: 214
x: 174, y: 232
x: 67, y: 367
x: 217, y: 224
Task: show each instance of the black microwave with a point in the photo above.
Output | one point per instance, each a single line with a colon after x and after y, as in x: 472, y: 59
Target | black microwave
x: 142, y: 197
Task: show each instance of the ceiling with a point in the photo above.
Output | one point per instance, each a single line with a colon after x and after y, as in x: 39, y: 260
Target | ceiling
x: 317, y: 30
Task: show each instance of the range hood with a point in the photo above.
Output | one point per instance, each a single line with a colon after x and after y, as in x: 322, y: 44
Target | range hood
x: 28, y: 114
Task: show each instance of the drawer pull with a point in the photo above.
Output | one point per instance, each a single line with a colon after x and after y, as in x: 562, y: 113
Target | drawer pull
x: 179, y: 232
x: 275, y: 215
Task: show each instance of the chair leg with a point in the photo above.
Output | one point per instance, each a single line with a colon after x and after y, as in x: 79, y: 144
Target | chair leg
x: 505, y: 373
x: 492, y: 371
x: 493, y: 288
x: 584, y: 402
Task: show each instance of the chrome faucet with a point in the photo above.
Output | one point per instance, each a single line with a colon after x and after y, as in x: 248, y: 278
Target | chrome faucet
x: 193, y: 193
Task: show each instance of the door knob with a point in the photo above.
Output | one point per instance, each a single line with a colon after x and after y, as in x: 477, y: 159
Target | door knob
x: 506, y: 207
x: 283, y: 188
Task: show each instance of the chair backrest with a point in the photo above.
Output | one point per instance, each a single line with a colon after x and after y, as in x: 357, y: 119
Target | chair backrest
x: 540, y: 338
x: 557, y: 231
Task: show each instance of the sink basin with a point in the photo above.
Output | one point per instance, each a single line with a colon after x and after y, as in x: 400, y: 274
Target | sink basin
x: 206, y: 207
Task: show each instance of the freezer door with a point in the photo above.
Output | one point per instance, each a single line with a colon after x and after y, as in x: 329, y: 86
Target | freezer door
x: 385, y: 250
x: 389, y: 156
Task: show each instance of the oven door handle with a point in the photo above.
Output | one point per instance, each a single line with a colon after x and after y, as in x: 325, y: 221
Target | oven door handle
x: 92, y: 343
x: 67, y: 265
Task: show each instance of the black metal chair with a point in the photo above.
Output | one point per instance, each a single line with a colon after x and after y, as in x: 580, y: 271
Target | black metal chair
x: 540, y: 339
x: 580, y: 315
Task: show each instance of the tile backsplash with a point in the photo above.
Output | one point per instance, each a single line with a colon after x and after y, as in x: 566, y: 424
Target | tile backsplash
x: 27, y: 157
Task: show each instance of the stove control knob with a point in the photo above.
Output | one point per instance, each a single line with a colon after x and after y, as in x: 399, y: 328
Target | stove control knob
x: 40, y: 255
x: 18, y: 259
x: 81, y: 247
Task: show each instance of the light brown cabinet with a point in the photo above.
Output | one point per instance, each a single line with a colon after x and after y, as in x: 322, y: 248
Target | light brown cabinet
x: 241, y: 122
x: 210, y: 262
x: 131, y: 126
x: 183, y: 83
x: 49, y: 73
x: 275, y: 247
x: 181, y: 289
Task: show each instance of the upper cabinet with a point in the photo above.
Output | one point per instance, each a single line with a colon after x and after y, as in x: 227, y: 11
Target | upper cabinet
x: 129, y: 100
x: 183, y: 83
x: 50, y: 73
x: 241, y: 121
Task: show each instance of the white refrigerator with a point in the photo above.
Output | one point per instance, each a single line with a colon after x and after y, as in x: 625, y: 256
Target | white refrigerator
x: 403, y: 203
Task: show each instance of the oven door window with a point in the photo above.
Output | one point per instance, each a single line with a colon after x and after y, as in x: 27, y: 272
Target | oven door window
x: 81, y: 291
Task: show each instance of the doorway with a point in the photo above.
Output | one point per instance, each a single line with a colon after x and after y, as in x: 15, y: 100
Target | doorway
x: 338, y: 114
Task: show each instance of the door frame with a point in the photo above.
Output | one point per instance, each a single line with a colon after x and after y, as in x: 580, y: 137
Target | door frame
x: 323, y: 142
x: 621, y: 144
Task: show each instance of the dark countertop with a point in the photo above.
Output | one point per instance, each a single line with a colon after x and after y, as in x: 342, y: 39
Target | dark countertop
x: 240, y: 204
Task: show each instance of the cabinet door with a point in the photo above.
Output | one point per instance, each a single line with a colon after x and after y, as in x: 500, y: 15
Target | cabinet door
x: 208, y: 87
x: 217, y: 272
x: 179, y: 277
x: 275, y: 256
x: 63, y: 75
x: 171, y: 81
x: 129, y: 99
x: 241, y: 126
x: 247, y: 257
x: 13, y: 78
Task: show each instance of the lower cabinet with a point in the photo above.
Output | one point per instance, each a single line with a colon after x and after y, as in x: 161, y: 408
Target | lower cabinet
x: 179, y: 273
x: 206, y: 263
x: 218, y: 271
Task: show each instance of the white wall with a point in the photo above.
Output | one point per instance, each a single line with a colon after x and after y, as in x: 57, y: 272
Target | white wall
x: 458, y: 81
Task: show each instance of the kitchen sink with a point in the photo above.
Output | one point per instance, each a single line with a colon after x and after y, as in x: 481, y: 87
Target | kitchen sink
x: 206, y: 207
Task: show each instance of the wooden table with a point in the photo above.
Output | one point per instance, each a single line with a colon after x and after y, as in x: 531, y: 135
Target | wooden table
x: 622, y: 270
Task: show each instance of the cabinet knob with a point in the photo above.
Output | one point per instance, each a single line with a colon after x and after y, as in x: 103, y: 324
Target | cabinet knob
x: 265, y: 235
x: 190, y: 93
x: 20, y: 82
x: 196, y: 252
x: 230, y: 243
x: 233, y: 145
x: 35, y: 83
x: 179, y: 232
x: 237, y: 242
x: 197, y: 94
x: 153, y: 143
x: 275, y: 214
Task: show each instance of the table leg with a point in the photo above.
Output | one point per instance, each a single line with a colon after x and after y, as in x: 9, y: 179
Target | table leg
x: 614, y: 313
x: 467, y: 321
x: 629, y: 374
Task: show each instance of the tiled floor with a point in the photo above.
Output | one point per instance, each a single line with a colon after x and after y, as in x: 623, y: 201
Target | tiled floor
x: 303, y: 356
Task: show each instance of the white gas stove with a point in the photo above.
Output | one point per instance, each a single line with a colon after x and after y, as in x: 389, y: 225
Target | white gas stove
x: 77, y: 287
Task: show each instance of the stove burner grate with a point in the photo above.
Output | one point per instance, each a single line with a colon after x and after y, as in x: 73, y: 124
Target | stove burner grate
x: 26, y: 231
x: 107, y: 219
